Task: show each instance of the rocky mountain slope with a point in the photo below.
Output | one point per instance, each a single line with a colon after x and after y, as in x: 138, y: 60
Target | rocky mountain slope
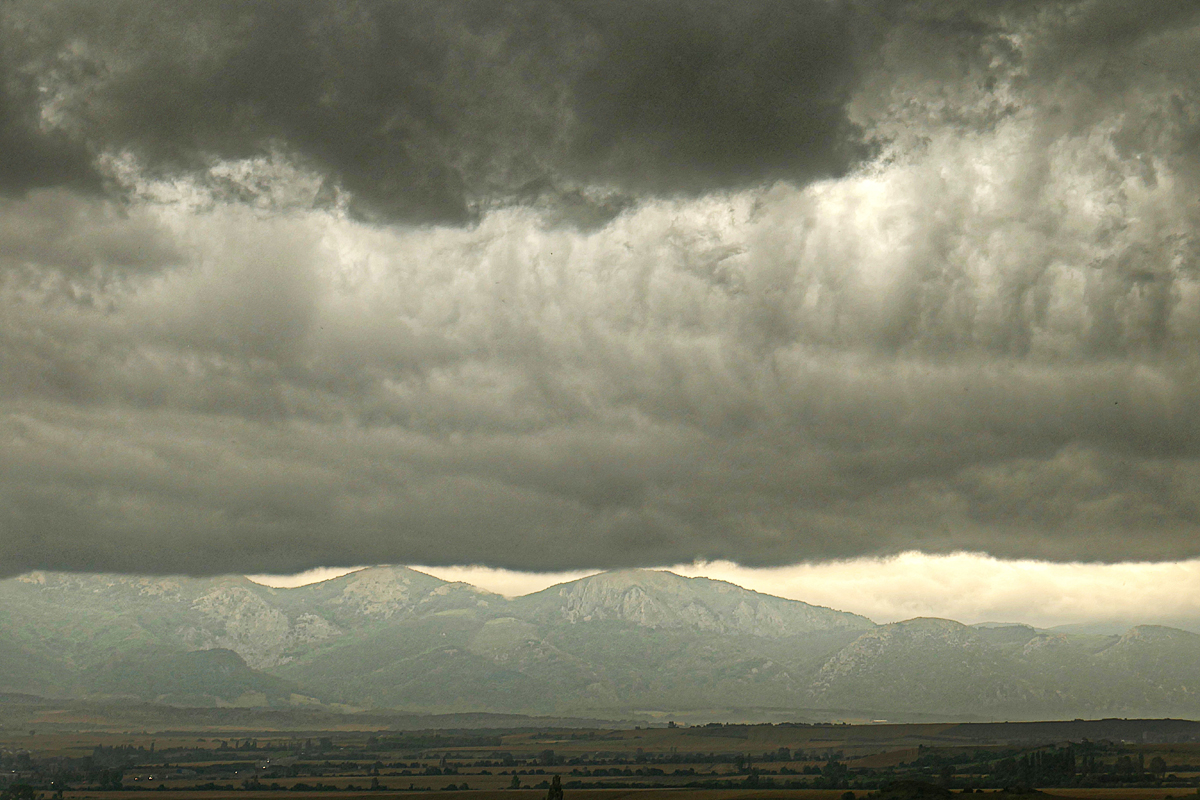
x: 605, y: 645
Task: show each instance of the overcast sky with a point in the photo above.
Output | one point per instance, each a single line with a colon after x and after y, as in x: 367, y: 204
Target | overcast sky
x: 556, y: 286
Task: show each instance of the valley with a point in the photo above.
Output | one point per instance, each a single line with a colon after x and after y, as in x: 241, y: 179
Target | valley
x: 1146, y: 759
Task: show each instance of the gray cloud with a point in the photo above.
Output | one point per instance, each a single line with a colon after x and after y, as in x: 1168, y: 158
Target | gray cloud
x: 984, y: 337
x: 701, y: 96
x: 437, y: 111
x: 30, y: 155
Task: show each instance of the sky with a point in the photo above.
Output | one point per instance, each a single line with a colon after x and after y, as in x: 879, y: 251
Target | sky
x: 552, y: 287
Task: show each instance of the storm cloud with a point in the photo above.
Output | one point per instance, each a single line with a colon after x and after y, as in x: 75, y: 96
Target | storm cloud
x: 436, y: 112
x: 549, y: 286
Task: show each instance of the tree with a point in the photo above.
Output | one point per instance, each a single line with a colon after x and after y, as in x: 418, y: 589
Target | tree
x: 516, y: 782
x: 1158, y: 766
x: 836, y: 773
x: 555, y: 791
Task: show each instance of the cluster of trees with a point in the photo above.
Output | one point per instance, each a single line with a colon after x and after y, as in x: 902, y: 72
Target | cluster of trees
x: 1050, y: 767
x: 1085, y: 763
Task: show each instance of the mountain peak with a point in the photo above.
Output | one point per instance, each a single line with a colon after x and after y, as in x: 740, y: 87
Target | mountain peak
x: 662, y: 599
x: 383, y: 573
x: 628, y: 577
x: 374, y: 592
x: 1157, y: 633
x: 931, y: 624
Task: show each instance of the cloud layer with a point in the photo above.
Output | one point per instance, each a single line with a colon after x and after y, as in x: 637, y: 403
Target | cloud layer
x: 558, y: 288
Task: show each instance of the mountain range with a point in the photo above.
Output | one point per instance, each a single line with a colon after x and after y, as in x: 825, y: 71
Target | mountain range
x: 611, y: 645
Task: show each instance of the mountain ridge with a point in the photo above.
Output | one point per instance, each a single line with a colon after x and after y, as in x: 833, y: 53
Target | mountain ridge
x: 607, y: 644
x: 659, y: 598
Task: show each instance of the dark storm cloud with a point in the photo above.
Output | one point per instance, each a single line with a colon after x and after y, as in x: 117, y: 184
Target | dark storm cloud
x: 430, y: 111
x: 30, y: 156
x: 984, y: 336
x: 706, y: 95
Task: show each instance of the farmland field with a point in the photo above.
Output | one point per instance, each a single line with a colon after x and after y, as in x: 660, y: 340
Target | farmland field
x: 76, y: 752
